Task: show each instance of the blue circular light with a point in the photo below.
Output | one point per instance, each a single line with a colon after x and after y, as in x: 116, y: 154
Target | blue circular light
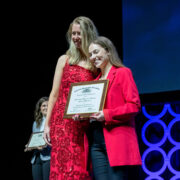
x: 169, y: 163
x: 169, y: 135
x: 156, y: 146
x: 163, y: 112
x: 154, y: 177
x: 144, y: 130
x: 162, y: 169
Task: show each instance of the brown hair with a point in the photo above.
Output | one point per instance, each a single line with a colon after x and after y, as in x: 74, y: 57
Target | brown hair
x: 107, y: 44
x: 37, y: 113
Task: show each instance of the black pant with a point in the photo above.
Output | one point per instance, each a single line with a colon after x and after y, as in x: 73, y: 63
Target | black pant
x: 101, y: 168
x: 40, y: 169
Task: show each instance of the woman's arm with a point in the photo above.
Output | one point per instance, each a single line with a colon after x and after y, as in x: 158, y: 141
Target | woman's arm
x: 123, y: 111
x: 130, y: 94
x: 54, y: 95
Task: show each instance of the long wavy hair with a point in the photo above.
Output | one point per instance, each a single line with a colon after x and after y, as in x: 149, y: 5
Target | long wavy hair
x: 37, y: 113
x: 88, y: 33
x: 107, y: 44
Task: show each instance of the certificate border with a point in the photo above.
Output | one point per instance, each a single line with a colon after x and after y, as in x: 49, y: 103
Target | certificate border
x: 105, y: 82
x: 34, y: 147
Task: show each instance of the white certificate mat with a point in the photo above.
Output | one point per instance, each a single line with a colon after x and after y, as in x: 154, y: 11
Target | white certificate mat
x: 86, y: 98
x: 36, y: 140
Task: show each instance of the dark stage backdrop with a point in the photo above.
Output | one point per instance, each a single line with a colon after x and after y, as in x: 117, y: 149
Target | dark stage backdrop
x: 151, y: 41
x: 34, y: 35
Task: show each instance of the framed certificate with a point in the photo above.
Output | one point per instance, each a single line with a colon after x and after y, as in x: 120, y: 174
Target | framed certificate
x: 86, y: 98
x: 36, y: 140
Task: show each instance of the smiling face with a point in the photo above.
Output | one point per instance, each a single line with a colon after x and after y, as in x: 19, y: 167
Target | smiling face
x: 98, y: 56
x: 76, y: 35
x: 44, y: 107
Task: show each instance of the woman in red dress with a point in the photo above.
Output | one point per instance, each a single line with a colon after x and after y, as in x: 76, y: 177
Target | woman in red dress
x: 65, y: 135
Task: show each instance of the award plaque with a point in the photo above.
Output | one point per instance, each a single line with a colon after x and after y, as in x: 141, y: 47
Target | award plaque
x: 36, y: 140
x: 86, y: 98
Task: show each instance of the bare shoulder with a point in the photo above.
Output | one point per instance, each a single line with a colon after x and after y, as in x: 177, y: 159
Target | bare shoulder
x: 62, y: 60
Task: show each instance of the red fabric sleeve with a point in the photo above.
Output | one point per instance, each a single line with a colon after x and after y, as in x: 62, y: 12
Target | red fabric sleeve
x: 131, y: 98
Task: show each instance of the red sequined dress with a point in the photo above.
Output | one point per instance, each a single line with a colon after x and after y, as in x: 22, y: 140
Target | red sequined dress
x: 67, y: 136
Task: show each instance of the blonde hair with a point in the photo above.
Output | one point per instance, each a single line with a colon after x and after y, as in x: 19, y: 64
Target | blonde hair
x: 88, y: 33
x: 107, y: 44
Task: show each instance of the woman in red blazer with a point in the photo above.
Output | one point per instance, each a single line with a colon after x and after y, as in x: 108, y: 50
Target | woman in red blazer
x: 113, y: 141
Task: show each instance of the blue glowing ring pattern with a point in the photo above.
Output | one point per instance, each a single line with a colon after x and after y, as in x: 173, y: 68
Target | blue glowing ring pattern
x: 156, y: 146
x: 154, y: 177
x: 169, y: 128
x: 162, y: 169
x: 175, y: 178
x: 169, y: 164
x: 144, y: 130
x: 163, y: 112
x: 172, y: 112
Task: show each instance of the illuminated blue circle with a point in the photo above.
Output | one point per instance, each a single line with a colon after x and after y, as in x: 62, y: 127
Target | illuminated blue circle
x: 169, y: 162
x: 175, y: 177
x: 169, y: 135
x: 144, y: 130
x: 146, y: 152
x: 154, y: 177
x: 163, y: 112
x: 172, y: 112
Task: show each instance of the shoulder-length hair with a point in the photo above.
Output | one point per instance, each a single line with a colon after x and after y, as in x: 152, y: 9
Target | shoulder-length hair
x: 88, y: 33
x: 37, y: 113
x: 107, y: 44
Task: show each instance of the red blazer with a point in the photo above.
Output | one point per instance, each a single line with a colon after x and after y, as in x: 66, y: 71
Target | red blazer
x: 121, y: 106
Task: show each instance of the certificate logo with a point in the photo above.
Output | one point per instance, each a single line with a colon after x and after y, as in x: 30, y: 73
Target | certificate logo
x: 86, y: 90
